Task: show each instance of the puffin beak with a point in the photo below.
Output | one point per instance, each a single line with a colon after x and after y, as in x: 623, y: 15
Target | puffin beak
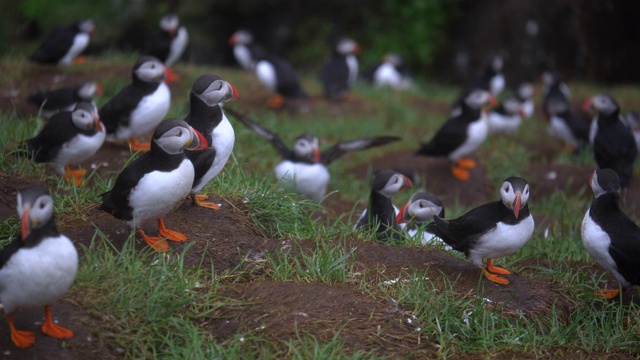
x: 198, y: 142
x: 173, y: 32
x: 400, y: 216
x: 516, y: 206
x: 232, y: 40
x: 357, y: 49
x: 98, y: 123
x: 587, y: 105
x: 99, y: 90
x: 492, y: 101
x: 591, y: 178
x: 316, y: 154
x: 407, y: 183
x: 234, y: 93
x: 25, y: 230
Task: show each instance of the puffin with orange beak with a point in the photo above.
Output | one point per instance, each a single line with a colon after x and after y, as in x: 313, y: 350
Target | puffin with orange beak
x: 168, y: 44
x: 304, y: 168
x: 38, y: 267
x: 492, y: 230
x: 69, y: 137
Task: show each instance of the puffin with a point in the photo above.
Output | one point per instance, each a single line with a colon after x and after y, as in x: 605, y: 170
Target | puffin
x: 274, y: 72
x: 462, y: 134
x: 632, y: 119
x: 38, y: 267
x: 50, y: 102
x: 64, y: 44
x: 207, y: 94
x: 139, y: 107
x: 614, y: 146
x: 491, y: 80
x: 168, y: 44
x: 525, y: 93
x: 69, y: 137
x: 492, y: 230
x: 608, y: 235
x: 157, y: 182
x: 380, y: 212
x: 554, y: 90
x: 303, y: 168
x: 340, y: 70
x: 417, y: 212
x: 567, y: 126
x: 391, y: 72
x: 507, y: 117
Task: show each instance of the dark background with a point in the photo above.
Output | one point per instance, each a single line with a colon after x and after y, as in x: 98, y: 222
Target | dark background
x: 447, y: 41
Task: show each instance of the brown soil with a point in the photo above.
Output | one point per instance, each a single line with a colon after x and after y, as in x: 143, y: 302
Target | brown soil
x: 282, y: 310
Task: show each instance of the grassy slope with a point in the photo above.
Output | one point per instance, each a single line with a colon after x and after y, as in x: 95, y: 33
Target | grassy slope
x: 457, y: 325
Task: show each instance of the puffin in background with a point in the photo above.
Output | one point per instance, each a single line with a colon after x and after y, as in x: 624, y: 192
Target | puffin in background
x: 614, y: 146
x: 38, y: 267
x: 380, y: 211
x: 525, y: 93
x: 492, y: 230
x: 206, y: 116
x: 417, y: 213
x: 63, y: 45
x: 632, y: 119
x: 245, y: 50
x: 304, y: 168
x: 391, y: 72
x: 568, y: 127
x: 68, y: 137
x: 462, y: 134
x: 168, y: 44
x: 340, y: 71
x: 492, y: 78
x: 608, y: 235
x: 157, y: 182
x: 554, y: 90
x: 50, y: 102
x: 139, y: 107
x: 507, y: 117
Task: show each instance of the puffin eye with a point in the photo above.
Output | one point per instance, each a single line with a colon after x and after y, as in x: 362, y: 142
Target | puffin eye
x: 42, y: 205
x: 179, y: 132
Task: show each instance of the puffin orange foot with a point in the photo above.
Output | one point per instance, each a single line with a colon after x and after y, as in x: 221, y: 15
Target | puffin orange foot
x: 199, y: 200
x: 460, y: 173
x: 136, y: 145
x: 607, y: 293
x: 157, y: 243
x: 496, y: 269
x: 21, y: 338
x: 495, y: 278
x: 79, y: 60
x: 466, y: 163
x: 170, y: 234
x: 276, y: 102
x: 49, y: 328
x: 76, y: 175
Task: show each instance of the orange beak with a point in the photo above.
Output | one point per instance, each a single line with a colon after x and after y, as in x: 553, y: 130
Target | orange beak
x: 98, y: 123
x: 235, y: 94
x: 232, y: 40
x: 25, y: 229
x: 400, y: 216
x: 316, y: 154
x: 492, y: 101
x: 407, y: 183
x: 587, y: 105
x: 99, y: 90
x: 516, y: 207
x: 201, y: 143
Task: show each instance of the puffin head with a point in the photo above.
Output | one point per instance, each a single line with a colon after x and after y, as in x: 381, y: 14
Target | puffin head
x: 85, y: 117
x: 515, y: 194
x: 389, y: 182
x: 86, y: 26
x: 170, y: 23
x: 604, y: 181
x: 87, y: 90
x: 241, y: 37
x: 173, y: 136
x: 347, y: 46
x: 479, y: 98
x: 422, y: 207
x: 602, y: 104
x: 306, y: 147
x: 35, y: 209
x: 212, y: 90
x: 149, y: 69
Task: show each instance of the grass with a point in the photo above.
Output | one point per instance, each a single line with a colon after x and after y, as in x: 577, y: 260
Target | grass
x: 167, y: 318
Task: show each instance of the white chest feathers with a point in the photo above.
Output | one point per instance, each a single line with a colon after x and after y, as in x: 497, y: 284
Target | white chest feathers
x: 502, y: 241
x: 223, y: 139
x: 40, y: 275
x: 477, y: 132
x: 266, y: 73
x: 80, y: 42
x: 243, y: 57
x: 158, y: 193
x: 310, y: 180
x: 352, y: 65
x: 178, y: 45
x: 596, y: 241
x: 147, y: 115
x: 78, y: 149
x: 559, y: 130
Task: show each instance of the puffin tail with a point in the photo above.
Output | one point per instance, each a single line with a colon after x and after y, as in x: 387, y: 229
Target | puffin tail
x: 440, y: 228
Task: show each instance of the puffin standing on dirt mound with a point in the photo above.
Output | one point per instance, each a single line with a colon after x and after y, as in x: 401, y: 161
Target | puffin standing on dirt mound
x: 340, y: 72
x: 157, y: 182
x: 380, y: 212
x: 139, y: 107
x: 207, y: 117
x: 52, y: 101
x: 614, y: 146
x: 64, y: 44
x: 304, y: 168
x: 462, y: 134
x: 168, y: 44
x: 417, y: 212
x: 491, y: 230
x: 608, y: 234
x: 38, y: 267
x: 68, y: 137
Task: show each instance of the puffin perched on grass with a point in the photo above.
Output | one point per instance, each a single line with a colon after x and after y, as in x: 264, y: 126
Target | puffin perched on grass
x: 64, y: 44
x: 38, y: 267
x: 157, y: 182
x: 608, y: 234
x: 492, y: 230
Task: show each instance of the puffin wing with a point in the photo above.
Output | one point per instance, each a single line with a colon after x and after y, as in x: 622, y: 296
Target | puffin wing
x: 288, y: 83
x: 449, y: 137
x: 57, y: 131
x: 626, y: 249
x: 334, y: 76
x: 284, y: 151
x: 202, y: 161
x: 159, y: 45
x: 339, y: 149
x: 54, y: 47
x: 117, y: 111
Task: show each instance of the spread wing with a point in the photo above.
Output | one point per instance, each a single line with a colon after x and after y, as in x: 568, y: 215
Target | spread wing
x: 284, y: 151
x: 341, y: 148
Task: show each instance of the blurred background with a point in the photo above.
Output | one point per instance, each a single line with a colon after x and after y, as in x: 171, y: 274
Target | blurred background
x: 440, y: 40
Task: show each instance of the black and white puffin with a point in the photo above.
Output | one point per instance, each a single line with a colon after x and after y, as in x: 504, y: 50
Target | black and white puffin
x: 340, y: 71
x: 567, y: 126
x: 304, y: 168
x: 168, y: 44
x: 68, y: 137
x: 207, y: 117
x: 554, y: 90
x: 64, y: 44
x: 492, y: 77
x: 492, y: 230
x: 380, y: 212
x: 608, y: 234
x: 525, y: 92
x: 50, y: 102
x: 139, y: 107
x: 245, y: 50
x: 614, y: 146
x: 417, y: 213
x: 462, y: 134
x: 38, y: 267
x: 391, y: 72
x: 507, y: 117
x: 157, y: 182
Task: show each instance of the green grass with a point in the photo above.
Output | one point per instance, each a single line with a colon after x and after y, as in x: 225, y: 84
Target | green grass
x: 171, y: 301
